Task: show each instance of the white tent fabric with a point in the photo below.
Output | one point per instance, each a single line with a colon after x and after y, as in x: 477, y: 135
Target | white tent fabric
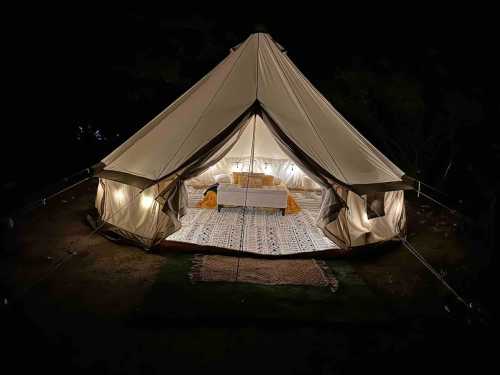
x: 207, y: 128
x: 268, y: 159
x: 284, y: 169
x: 256, y: 71
x: 264, y: 146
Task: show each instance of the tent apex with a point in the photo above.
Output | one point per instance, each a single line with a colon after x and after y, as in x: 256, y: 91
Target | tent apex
x: 256, y: 34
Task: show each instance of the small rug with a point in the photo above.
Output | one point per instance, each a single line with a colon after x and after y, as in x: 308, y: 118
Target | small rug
x: 256, y: 230
x: 210, y: 268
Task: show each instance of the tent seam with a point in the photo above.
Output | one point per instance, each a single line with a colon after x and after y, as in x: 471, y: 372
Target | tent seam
x: 349, y: 126
x: 289, y: 136
x: 308, y: 119
x: 160, y: 116
x: 257, y: 73
x: 204, y: 111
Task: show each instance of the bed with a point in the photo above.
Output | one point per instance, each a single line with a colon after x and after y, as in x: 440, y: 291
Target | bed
x: 275, y: 196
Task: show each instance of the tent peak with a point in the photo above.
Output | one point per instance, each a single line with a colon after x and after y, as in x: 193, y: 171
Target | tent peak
x: 269, y: 36
x: 257, y: 34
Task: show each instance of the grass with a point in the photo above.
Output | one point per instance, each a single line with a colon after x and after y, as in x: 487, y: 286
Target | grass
x: 174, y: 296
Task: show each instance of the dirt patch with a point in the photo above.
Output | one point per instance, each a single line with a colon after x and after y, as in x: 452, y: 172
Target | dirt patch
x: 111, y: 282
x: 98, y: 276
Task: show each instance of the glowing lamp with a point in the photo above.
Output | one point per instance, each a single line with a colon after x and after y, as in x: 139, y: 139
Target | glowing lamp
x: 146, y: 201
x: 364, y: 218
x: 119, y: 195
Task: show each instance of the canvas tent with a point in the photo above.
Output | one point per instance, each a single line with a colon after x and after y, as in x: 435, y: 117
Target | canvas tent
x: 142, y: 194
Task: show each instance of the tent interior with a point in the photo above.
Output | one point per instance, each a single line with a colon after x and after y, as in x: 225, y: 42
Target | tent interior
x: 268, y: 158
x: 249, y: 226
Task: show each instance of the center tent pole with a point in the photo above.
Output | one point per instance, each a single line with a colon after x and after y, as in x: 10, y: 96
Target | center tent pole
x: 250, y: 171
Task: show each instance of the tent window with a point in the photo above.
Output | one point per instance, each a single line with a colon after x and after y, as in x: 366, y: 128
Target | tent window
x: 375, y: 205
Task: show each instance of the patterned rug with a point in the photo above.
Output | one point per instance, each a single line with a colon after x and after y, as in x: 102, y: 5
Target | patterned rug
x: 265, y: 231
x: 210, y: 268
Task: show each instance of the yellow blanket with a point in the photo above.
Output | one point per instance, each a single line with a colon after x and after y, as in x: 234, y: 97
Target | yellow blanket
x: 292, y: 205
x: 210, y: 201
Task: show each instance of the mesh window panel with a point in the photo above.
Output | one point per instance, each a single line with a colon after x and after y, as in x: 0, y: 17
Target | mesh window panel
x: 375, y: 205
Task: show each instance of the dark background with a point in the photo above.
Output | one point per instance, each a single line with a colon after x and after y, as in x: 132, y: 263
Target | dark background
x: 418, y: 82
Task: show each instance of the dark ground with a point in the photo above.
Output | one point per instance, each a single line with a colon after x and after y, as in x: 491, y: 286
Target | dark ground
x: 112, y: 308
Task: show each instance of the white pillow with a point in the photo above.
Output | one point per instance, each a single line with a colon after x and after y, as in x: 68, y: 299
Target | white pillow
x: 222, y: 178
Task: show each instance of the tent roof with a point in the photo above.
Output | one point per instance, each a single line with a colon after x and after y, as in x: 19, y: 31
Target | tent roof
x: 258, y: 71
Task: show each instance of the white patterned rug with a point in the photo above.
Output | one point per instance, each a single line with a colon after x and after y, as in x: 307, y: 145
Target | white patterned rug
x: 265, y: 231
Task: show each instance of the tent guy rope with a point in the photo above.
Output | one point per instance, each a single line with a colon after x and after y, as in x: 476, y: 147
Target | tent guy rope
x: 437, y: 274
x: 70, y: 253
x: 42, y: 201
x: 427, y: 265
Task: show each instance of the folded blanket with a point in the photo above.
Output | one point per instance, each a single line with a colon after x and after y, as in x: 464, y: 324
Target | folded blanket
x: 209, y: 200
x: 292, y: 207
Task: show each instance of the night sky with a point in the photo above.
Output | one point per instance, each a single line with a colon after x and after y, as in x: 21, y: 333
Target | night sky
x: 419, y: 85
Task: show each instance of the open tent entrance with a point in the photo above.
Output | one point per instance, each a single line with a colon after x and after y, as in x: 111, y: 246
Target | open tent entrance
x: 254, y: 198
x: 268, y: 159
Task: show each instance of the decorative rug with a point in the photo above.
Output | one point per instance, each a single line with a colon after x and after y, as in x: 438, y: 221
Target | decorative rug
x: 210, y: 268
x: 264, y: 232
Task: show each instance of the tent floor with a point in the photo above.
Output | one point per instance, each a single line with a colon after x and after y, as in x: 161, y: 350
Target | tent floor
x: 255, y: 230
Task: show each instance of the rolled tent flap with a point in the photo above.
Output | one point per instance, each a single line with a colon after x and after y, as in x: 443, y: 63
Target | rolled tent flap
x: 173, y: 198
x: 331, y: 202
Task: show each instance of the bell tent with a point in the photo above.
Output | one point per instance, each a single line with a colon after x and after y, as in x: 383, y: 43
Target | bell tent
x: 254, y: 112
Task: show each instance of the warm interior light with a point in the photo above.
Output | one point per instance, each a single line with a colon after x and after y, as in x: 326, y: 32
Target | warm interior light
x: 146, y: 201
x: 364, y: 218
x: 236, y: 166
x: 119, y: 196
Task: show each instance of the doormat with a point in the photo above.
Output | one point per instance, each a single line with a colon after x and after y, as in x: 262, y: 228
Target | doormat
x: 221, y: 268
